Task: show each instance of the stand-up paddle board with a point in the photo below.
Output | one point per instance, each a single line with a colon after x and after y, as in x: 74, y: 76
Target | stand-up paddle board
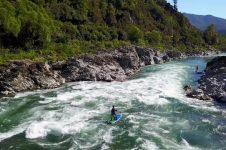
x: 116, y: 119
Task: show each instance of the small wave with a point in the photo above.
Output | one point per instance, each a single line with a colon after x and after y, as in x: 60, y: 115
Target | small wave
x: 42, y: 129
x: 148, y: 145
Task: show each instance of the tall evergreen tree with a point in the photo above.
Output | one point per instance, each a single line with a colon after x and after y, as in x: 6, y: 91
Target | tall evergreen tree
x: 175, y: 4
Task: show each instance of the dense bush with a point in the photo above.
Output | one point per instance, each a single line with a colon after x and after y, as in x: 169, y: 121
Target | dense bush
x: 52, y: 25
x: 62, y: 11
x: 154, y: 37
x: 134, y: 33
x: 27, y: 24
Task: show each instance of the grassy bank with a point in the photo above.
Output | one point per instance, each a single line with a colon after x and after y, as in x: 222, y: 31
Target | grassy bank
x: 59, y: 51
x: 63, y: 51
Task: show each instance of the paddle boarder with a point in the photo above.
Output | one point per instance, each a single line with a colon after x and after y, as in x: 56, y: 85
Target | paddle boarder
x: 113, y: 113
x: 196, y: 69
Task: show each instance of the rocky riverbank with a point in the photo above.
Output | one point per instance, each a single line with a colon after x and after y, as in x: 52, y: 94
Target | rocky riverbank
x: 212, y: 84
x: 116, y: 65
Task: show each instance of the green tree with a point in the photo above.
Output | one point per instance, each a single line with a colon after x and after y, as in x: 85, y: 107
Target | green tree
x: 81, y: 10
x: 210, y: 35
x: 62, y: 11
x: 154, y: 37
x: 134, y: 33
x: 8, y: 20
x: 110, y: 18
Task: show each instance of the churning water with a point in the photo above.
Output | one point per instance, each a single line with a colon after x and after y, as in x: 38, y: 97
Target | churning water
x: 156, y: 114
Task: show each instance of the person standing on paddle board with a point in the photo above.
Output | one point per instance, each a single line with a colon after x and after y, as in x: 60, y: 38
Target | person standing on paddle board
x: 197, y: 69
x: 113, y: 113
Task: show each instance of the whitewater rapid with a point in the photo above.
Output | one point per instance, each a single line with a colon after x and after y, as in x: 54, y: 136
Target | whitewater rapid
x: 156, y: 113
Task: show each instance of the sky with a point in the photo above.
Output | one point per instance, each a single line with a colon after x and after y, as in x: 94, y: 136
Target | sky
x: 203, y: 7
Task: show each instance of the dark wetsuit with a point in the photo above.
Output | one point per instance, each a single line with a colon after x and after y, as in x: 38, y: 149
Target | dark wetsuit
x: 197, y: 69
x: 113, y: 110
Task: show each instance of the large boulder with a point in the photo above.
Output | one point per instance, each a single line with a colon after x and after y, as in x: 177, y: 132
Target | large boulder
x: 146, y: 55
x: 198, y: 94
x: 158, y: 60
x: 166, y: 58
x: 93, y: 68
x: 128, y: 59
x: 22, y: 76
x: 175, y: 54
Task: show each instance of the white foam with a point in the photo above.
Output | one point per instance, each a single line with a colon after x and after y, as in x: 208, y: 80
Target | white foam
x: 42, y: 129
x: 47, y: 101
x: 148, y: 145
x: 206, y: 121
x: 107, y: 137
x: 66, y: 96
x: 76, y: 106
x: 105, y: 147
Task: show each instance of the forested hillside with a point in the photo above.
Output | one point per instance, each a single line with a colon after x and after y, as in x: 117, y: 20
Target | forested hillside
x: 57, y: 29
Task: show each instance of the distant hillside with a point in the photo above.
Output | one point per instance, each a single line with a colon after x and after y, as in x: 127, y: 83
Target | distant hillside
x: 201, y: 22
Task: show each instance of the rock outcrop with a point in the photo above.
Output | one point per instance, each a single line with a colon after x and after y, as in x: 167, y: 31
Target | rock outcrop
x: 20, y: 76
x: 115, y: 65
x: 212, y: 85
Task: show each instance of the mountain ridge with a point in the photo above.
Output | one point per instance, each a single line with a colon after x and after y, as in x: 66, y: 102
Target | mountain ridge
x: 202, y: 21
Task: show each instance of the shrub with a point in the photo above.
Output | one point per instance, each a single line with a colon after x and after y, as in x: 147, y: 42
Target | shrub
x: 32, y: 36
x: 134, y: 33
x: 154, y: 37
x: 62, y: 11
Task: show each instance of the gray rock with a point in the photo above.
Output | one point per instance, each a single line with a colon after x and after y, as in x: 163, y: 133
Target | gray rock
x: 213, y: 82
x: 166, y: 58
x: 145, y: 55
x: 175, y: 54
x: 22, y: 76
x: 128, y: 59
x: 116, y: 65
x: 188, y: 89
x: 157, y: 60
x: 198, y: 94
x: 222, y: 99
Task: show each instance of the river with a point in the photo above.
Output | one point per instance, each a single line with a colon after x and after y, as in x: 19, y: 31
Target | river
x: 156, y: 114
